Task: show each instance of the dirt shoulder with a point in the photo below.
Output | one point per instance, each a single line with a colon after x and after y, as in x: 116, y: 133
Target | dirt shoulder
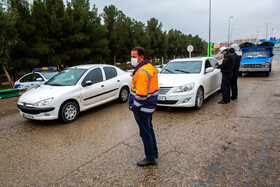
x: 8, y: 106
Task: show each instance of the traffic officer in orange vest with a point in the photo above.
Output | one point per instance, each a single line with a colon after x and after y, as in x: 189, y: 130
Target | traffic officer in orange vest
x: 143, y: 102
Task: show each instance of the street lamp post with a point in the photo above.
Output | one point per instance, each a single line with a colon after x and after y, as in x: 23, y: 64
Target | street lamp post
x: 257, y: 37
x: 231, y: 35
x: 266, y: 31
x: 229, y: 28
x: 209, y: 47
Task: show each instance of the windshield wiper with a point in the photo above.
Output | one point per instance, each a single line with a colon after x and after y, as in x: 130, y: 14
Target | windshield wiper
x: 181, y: 71
x: 168, y: 70
x: 55, y: 84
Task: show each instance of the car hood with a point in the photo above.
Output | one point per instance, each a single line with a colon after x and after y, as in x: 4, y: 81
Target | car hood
x: 171, y: 80
x: 44, y: 92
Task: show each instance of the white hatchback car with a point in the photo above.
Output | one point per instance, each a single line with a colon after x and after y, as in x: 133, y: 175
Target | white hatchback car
x: 73, y: 90
x: 187, y: 82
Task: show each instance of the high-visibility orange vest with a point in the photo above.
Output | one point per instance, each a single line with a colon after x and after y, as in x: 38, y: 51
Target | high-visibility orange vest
x: 144, y: 89
x: 145, y: 80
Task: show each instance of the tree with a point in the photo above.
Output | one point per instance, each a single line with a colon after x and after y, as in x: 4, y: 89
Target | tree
x: 110, y: 16
x: 22, y: 55
x: 8, y: 37
x: 200, y: 46
x: 157, y: 40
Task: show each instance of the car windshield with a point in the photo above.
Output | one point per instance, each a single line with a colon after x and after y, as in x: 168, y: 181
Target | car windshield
x: 49, y: 74
x: 182, y: 67
x: 255, y: 54
x: 68, y: 77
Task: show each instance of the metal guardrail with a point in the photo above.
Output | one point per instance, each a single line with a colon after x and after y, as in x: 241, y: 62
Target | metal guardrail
x: 8, y: 93
x: 14, y: 92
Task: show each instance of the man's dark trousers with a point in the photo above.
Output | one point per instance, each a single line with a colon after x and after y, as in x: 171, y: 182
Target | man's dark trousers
x: 233, y: 84
x: 147, y: 134
x: 226, y: 79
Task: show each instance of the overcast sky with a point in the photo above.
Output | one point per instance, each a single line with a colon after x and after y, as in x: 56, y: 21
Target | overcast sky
x: 192, y: 16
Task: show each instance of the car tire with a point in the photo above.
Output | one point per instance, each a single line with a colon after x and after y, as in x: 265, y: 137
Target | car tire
x: 124, y: 94
x: 199, y: 98
x: 69, y: 112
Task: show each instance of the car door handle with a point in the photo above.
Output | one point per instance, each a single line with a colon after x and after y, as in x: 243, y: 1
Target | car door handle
x: 102, y: 86
x: 118, y: 81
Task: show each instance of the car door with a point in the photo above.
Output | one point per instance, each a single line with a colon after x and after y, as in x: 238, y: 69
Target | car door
x: 217, y: 73
x: 112, y: 82
x: 94, y: 92
x: 25, y: 82
x: 37, y: 80
x: 209, y: 79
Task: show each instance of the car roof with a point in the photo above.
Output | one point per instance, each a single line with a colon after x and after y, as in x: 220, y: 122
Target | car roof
x: 88, y: 66
x: 191, y: 59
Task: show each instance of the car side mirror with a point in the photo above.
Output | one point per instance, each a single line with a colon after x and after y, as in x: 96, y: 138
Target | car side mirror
x: 272, y: 55
x: 210, y: 69
x: 39, y: 79
x: 87, y: 83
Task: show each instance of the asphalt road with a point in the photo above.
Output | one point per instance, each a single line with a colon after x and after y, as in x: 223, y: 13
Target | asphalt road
x: 237, y: 144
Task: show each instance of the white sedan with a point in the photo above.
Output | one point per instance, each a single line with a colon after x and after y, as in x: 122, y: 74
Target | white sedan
x: 73, y: 90
x: 34, y: 79
x: 187, y: 82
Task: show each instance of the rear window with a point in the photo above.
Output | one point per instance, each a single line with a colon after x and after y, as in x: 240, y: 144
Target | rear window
x: 110, y: 72
x: 49, y: 75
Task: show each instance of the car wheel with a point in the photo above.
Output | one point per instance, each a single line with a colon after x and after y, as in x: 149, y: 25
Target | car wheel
x: 124, y: 94
x: 199, y: 98
x: 69, y: 112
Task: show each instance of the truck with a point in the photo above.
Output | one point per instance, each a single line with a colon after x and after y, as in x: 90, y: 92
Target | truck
x: 256, y: 58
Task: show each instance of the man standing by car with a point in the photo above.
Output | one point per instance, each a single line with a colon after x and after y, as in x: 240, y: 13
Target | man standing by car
x: 233, y: 83
x: 226, y: 69
x: 143, y: 102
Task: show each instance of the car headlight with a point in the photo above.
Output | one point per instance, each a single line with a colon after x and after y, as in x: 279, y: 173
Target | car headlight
x: 266, y: 64
x: 185, y: 88
x: 43, y: 102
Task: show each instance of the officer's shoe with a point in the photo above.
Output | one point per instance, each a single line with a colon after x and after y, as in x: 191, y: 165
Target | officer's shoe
x: 146, y: 162
x: 233, y: 98
x: 223, y: 102
x: 156, y: 156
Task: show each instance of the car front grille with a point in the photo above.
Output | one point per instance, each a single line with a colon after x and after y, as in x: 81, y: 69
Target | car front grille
x: 252, y: 65
x: 164, y: 90
x: 168, y: 102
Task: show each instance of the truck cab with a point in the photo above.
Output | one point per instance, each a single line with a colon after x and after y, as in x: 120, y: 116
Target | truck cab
x: 256, y: 58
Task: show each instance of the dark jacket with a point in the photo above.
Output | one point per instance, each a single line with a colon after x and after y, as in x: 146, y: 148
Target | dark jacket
x: 227, y: 64
x: 237, y: 60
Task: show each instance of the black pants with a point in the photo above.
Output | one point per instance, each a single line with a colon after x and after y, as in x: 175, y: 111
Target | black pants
x: 226, y: 79
x: 233, y: 85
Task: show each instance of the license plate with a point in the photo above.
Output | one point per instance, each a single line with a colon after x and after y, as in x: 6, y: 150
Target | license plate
x: 28, y: 116
x: 161, y: 98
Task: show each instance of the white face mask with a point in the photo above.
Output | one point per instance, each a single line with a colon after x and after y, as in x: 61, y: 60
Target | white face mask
x: 134, y: 62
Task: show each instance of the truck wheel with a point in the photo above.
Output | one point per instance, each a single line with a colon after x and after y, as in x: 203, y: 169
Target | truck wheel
x: 267, y: 74
x: 69, y: 112
x: 240, y: 74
